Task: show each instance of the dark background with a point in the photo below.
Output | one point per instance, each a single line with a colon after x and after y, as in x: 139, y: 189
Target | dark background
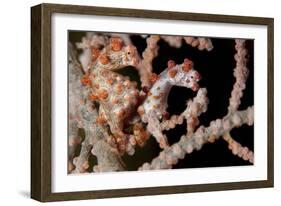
x: 216, y: 69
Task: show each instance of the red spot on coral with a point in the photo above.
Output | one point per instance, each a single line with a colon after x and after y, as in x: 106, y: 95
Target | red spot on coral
x: 193, y: 121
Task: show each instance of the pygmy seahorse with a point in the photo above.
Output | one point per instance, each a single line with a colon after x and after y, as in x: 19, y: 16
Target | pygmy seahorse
x: 154, y: 107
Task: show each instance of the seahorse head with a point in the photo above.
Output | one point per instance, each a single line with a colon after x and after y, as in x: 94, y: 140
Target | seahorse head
x: 116, y: 56
x: 183, y: 75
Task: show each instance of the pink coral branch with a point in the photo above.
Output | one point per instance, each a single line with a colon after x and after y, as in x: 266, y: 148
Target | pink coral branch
x: 218, y: 128
x: 145, y: 65
x: 170, y: 155
x: 238, y: 149
x: 241, y: 73
x: 193, y: 110
x: 200, y: 43
x: 75, y: 92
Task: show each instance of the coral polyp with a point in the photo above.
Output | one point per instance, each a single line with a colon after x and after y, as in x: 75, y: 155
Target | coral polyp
x: 119, y: 101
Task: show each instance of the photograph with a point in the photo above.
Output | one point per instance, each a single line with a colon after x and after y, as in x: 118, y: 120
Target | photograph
x: 133, y: 102
x: 140, y: 102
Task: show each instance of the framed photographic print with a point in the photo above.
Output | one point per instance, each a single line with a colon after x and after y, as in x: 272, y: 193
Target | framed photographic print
x: 132, y: 102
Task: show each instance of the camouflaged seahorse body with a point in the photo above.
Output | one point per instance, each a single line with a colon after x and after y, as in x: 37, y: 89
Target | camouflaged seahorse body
x: 154, y: 107
x: 116, y: 94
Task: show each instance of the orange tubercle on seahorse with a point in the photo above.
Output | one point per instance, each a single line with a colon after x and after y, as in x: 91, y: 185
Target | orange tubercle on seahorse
x: 100, y: 120
x: 85, y: 80
x: 109, y: 81
x: 104, y: 59
x: 118, y: 88
x: 103, y: 94
x: 93, y: 97
x: 115, y: 44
